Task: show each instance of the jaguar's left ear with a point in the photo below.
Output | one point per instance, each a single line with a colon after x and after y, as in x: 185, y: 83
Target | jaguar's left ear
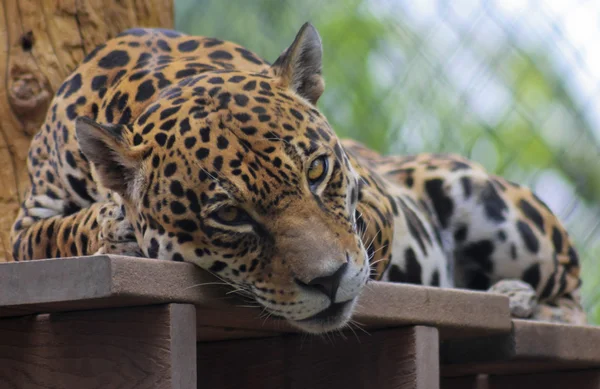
x: 299, y: 66
x: 118, y: 163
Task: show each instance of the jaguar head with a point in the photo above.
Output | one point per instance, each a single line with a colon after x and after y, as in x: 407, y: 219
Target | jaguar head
x: 241, y: 175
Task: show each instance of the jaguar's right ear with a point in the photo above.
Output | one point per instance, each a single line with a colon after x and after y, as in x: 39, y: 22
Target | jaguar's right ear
x: 299, y: 67
x: 117, y: 162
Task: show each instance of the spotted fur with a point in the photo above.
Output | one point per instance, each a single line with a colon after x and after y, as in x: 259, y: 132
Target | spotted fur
x: 456, y: 225
x: 195, y: 149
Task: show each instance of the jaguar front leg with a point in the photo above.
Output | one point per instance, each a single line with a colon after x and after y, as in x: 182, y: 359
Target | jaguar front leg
x: 100, y: 228
x: 116, y: 235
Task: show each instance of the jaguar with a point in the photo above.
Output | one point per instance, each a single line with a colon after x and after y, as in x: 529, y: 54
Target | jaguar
x: 195, y: 149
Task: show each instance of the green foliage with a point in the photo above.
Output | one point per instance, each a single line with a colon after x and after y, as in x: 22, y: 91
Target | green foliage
x: 391, y: 85
x: 351, y: 36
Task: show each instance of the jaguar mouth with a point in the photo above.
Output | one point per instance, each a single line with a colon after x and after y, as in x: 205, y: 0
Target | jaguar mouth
x: 331, y: 312
x: 331, y: 318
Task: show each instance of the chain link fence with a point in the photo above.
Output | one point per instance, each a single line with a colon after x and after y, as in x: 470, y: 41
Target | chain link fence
x: 512, y: 85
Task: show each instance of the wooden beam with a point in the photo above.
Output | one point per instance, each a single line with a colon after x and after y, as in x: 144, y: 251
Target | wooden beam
x: 530, y: 347
x: 580, y: 379
x: 403, y: 358
x: 549, y: 380
x: 108, y: 281
x: 145, y: 347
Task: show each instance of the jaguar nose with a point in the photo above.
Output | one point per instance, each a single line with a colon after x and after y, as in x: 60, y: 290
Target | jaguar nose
x: 328, y: 285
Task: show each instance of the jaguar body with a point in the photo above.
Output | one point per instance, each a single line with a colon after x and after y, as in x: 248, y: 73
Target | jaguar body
x: 194, y: 149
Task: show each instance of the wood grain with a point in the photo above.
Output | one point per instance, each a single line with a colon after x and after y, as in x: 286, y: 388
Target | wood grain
x: 147, y: 347
x: 402, y: 358
x: 41, y: 42
x: 108, y: 281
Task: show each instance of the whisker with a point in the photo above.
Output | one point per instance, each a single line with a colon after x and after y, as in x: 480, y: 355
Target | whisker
x: 376, y: 251
x: 341, y: 332
x: 206, y: 283
x: 360, y: 215
x: 240, y: 291
x: 368, y: 285
x: 377, y: 261
x: 374, y: 237
x: 366, y: 230
x: 359, y: 326
x: 349, y: 326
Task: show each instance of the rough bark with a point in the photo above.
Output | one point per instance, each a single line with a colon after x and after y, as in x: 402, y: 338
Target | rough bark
x: 41, y: 42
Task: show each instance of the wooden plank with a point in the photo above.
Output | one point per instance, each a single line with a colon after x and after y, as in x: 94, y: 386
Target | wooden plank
x: 51, y: 281
x: 530, y: 347
x: 403, y: 358
x: 144, y: 347
x: 102, y: 281
x: 455, y: 312
x: 110, y: 281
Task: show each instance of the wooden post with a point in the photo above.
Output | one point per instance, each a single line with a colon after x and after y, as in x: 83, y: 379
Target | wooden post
x: 142, y: 347
x: 41, y: 42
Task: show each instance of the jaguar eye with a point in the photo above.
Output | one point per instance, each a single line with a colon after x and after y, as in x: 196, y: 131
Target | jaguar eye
x: 317, y: 170
x: 231, y: 215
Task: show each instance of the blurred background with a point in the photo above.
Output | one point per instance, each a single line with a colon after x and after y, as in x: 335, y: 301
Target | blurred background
x: 511, y: 84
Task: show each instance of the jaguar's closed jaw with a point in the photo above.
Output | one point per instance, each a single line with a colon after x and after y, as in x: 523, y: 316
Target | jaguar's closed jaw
x: 334, y: 317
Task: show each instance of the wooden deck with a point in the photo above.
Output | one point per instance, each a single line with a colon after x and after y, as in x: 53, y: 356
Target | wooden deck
x: 115, y: 322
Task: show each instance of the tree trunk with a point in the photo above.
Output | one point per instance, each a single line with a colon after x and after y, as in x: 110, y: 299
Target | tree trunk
x: 41, y: 42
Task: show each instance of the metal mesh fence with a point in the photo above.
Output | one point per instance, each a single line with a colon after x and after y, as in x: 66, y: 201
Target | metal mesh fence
x: 512, y: 85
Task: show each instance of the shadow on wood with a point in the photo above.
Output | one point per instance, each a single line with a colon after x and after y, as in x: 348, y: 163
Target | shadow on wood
x: 577, y: 379
x: 401, y: 358
x: 147, y: 347
x: 530, y: 347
